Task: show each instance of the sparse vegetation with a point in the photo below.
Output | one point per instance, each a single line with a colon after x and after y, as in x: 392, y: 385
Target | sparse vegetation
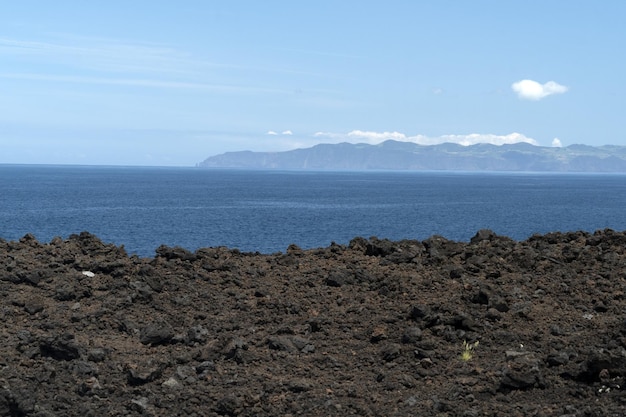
x: 468, y: 350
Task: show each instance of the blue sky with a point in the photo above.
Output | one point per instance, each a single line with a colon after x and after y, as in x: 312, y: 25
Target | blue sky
x: 171, y: 83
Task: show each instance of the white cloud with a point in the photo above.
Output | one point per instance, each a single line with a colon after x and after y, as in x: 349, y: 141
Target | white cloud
x: 101, y: 54
x: 125, y: 63
x: 474, y: 138
x: 532, y: 90
x: 146, y: 83
x: 556, y: 142
x: 465, y: 140
x: 376, y: 136
x: 283, y: 133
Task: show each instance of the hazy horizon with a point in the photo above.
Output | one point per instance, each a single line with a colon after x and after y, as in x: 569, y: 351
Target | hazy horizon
x: 164, y: 84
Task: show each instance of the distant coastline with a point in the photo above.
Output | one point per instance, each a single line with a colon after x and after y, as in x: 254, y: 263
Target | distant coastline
x: 396, y: 155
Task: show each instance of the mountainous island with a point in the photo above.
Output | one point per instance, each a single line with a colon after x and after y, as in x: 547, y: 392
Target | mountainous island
x: 396, y: 155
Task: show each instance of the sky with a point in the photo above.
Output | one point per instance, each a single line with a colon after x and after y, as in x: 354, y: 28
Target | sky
x: 163, y: 83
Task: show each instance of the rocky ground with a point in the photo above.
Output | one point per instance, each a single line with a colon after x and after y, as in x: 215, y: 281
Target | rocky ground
x: 493, y: 327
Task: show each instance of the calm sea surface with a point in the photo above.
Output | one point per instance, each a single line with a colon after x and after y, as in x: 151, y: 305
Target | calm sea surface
x: 142, y: 208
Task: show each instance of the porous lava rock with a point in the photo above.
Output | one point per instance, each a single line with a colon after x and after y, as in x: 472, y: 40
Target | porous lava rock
x: 372, y: 328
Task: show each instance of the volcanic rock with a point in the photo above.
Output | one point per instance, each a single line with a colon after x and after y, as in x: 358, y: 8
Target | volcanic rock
x: 372, y: 328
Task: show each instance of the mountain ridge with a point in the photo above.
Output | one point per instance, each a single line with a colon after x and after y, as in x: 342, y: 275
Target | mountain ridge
x: 398, y: 155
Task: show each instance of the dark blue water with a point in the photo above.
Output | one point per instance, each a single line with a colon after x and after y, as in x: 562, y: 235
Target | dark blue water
x: 266, y: 211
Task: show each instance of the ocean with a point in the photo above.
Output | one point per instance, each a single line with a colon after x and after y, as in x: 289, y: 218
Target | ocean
x: 266, y: 211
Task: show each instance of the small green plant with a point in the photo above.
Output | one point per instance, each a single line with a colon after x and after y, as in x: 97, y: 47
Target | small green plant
x: 468, y: 350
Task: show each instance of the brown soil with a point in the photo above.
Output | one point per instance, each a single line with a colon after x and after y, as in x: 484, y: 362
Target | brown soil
x: 375, y: 328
